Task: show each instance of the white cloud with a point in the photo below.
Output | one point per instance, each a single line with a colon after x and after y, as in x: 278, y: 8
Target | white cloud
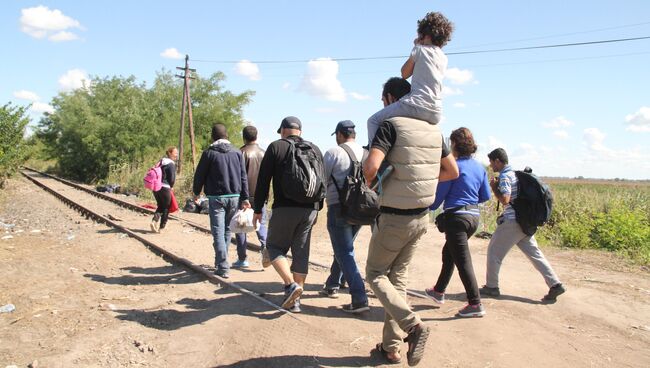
x: 40, y: 22
x: 594, y: 139
x: 639, y: 121
x: 561, y: 134
x: 286, y: 85
x: 359, y: 96
x: 248, y: 70
x: 450, y: 91
x: 73, y: 79
x: 321, y: 80
x: 26, y: 95
x: 40, y: 107
x: 63, y: 36
x: 460, y: 105
x: 171, y: 53
x: 459, y: 76
x: 558, y: 122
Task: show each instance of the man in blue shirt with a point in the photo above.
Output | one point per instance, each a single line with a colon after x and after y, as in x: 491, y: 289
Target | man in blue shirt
x: 509, y: 233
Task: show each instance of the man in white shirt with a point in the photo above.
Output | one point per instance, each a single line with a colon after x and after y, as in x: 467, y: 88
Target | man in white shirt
x: 337, y: 163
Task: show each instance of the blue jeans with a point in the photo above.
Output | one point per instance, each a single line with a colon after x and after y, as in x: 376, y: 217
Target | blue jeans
x: 261, y: 236
x: 342, y: 236
x: 335, y: 280
x: 222, y: 211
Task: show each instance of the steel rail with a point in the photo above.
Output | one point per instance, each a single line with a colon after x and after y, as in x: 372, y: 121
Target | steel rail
x: 169, y: 256
x: 199, y: 227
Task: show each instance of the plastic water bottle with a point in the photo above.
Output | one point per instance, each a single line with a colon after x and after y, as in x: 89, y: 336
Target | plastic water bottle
x: 7, y: 308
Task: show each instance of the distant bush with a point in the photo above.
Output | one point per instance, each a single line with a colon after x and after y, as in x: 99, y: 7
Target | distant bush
x: 608, y: 216
x: 600, y: 215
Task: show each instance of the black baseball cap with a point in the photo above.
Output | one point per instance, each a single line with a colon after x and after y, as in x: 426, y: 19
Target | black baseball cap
x: 342, y: 126
x: 290, y: 122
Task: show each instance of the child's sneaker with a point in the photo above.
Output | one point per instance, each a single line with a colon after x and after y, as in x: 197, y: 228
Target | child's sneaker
x: 435, y: 296
x: 475, y: 310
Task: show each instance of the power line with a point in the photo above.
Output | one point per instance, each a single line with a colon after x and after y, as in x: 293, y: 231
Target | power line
x: 550, y: 46
x: 553, y: 36
x: 573, y: 44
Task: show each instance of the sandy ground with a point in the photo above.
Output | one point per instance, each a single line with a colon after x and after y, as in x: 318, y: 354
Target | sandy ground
x: 88, y: 296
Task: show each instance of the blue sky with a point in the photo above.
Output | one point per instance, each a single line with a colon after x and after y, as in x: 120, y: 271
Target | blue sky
x: 569, y: 111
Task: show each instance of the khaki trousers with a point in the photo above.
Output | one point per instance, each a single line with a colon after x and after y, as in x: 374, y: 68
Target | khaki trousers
x: 392, y: 246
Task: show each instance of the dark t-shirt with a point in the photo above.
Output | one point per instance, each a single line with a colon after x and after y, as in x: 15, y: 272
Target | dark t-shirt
x: 386, y: 136
x: 272, y: 167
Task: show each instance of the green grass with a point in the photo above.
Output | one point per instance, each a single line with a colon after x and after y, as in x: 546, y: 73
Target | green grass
x: 612, y: 216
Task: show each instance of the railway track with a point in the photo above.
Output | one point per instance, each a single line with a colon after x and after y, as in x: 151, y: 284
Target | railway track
x: 153, y: 246
x: 196, y: 226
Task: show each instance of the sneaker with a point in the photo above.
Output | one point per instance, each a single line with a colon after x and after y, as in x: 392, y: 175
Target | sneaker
x: 330, y: 293
x: 475, y: 310
x: 296, y: 307
x: 291, y: 293
x: 222, y: 273
x: 154, y: 225
x: 266, y: 259
x: 554, y: 292
x: 240, y: 264
x: 435, y: 296
x: 489, y: 291
x: 356, y: 307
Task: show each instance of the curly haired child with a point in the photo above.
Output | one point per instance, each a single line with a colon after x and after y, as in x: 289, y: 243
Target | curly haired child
x: 427, y: 65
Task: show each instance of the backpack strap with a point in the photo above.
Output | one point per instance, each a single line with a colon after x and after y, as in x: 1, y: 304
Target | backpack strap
x: 349, y: 151
x: 353, y: 159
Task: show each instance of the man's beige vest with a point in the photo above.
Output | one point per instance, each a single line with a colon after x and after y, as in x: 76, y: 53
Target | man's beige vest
x: 416, y: 161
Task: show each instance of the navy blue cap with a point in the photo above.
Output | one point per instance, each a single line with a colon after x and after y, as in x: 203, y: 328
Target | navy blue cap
x: 342, y: 126
x: 290, y: 122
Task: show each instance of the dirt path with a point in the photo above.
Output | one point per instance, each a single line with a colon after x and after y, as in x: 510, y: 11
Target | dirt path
x: 87, y: 296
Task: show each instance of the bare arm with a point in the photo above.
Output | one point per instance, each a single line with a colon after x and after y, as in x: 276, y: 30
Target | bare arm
x: 448, y: 168
x: 407, y: 68
x: 503, y: 198
x: 371, y: 165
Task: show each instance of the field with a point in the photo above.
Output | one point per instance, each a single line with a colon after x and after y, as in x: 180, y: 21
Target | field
x: 594, y: 214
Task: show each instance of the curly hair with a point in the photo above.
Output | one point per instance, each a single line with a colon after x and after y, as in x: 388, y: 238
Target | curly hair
x: 463, y: 142
x: 436, y: 26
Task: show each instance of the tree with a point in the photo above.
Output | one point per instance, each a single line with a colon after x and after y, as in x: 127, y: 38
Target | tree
x: 117, y: 120
x: 12, y: 139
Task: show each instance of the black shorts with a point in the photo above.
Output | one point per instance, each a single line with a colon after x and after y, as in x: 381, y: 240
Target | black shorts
x: 290, y: 229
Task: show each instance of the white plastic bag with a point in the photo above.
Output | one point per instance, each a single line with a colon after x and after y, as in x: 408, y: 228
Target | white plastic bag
x: 242, y: 222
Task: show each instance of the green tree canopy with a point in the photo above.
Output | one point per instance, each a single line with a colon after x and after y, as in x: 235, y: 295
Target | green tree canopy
x: 12, y: 139
x: 117, y: 120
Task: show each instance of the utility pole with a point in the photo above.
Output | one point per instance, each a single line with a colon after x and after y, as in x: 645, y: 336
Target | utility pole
x: 187, y: 102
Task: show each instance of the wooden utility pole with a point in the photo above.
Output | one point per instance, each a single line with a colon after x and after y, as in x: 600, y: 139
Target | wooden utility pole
x: 187, y: 103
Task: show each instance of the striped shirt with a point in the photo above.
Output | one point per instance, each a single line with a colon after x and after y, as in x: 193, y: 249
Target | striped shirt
x: 508, y: 185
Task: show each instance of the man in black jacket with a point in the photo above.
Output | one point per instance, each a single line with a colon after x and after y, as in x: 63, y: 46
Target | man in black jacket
x: 291, y: 222
x: 221, y: 174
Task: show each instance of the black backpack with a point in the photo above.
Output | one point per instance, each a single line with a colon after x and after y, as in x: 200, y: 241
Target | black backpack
x: 359, y: 204
x: 534, y: 202
x: 303, y: 174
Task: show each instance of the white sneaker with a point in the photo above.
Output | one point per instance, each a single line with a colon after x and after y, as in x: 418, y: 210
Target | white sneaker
x: 155, y: 227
